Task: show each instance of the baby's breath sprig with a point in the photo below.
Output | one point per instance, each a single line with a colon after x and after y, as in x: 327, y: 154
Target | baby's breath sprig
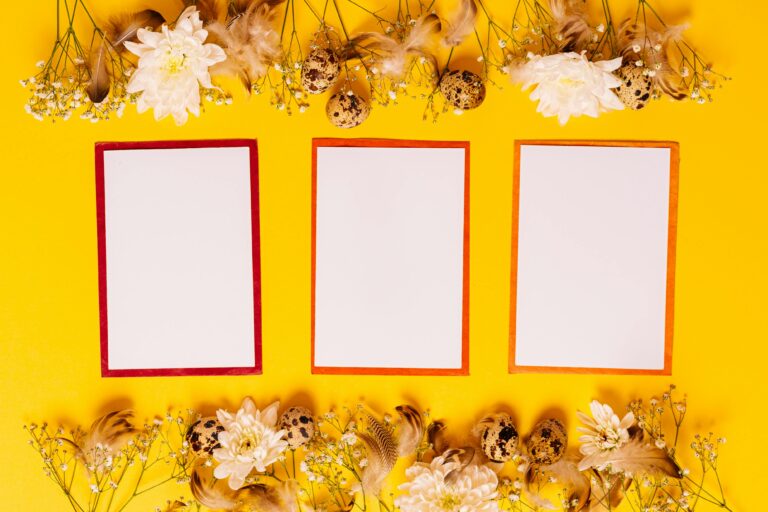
x: 287, y: 93
x: 500, y: 44
x: 532, y: 20
x: 419, y: 72
x: 664, y: 494
x: 97, y: 478
x: 63, y: 84
x: 335, y: 460
x: 663, y: 50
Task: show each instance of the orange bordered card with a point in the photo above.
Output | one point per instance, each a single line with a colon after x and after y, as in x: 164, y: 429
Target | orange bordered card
x: 390, y: 257
x: 593, y: 257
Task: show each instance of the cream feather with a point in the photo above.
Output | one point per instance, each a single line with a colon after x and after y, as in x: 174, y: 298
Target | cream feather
x: 251, y: 42
x: 381, y: 452
x: 112, y: 431
x: 116, y: 32
x: 411, y: 430
x: 98, y: 76
x: 631, y: 36
x: 436, y: 436
x: 108, y: 435
x: 633, y: 458
x: 566, y: 472
x: 263, y: 498
x: 462, y: 457
x: 175, y: 506
x: 210, y: 492
x: 241, y: 6
x: 462, y: 23
x: 217, y: 495
x: 607, y: 494
x: 571, y: 22
x: 391, y: 55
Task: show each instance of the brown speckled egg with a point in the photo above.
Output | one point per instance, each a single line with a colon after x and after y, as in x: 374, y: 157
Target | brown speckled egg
x: 347, y: 110
x: 299, y: 425
x: 463, y: 89
x: 636, y: 88
x: 319, y: 70
x: 203, y: 436
x: 499, y: 438
x: 548, y: 442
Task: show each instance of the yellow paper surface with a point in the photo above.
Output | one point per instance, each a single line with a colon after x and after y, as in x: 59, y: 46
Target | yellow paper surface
x: 49, y: 363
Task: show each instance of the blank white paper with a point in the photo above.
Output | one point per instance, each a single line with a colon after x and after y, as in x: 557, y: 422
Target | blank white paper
x: 389, y: 257
x: 592, y: 257
x: 179, y: 258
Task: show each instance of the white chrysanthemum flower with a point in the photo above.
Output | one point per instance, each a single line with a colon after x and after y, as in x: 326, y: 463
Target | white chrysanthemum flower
x: 604, y: 431
x: 471, y: 489
x: 250, y: 440
x: 173, y: 64
x: 569, y: 84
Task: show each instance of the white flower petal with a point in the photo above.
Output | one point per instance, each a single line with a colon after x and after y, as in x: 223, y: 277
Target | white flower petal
x: 269, y: 414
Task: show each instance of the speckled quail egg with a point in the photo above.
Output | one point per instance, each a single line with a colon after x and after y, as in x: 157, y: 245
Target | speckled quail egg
x: 347, y: 110
x: 463, y: 89
x: 499, y: 438
x: 548, y: 442
x: 319, y: 70
x: 299, y: 425
x: 203, y: 436
x: 636, y: 87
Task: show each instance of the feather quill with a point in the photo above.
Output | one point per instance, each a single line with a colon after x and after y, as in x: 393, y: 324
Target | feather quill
x: 462, y: 23
x: 632, y: 35
x: 117, y: 31
x: 250, y: 41
x: 98, y: 81
x: 571, y: 22
x: 124, y: 28
x: 633, y: 458
x: 411, y: 430
x: 381, y: 452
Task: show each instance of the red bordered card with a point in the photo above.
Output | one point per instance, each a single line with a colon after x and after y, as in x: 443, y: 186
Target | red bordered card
x: 179, y: 259
x: 390, y: 257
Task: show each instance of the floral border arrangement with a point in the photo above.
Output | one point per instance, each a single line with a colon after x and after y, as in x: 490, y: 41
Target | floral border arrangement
x: 261, y: 460
x: 574, y: 64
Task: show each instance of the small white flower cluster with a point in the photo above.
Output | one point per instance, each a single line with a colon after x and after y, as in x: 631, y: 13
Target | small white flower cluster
x: 287, y: 94
x: 59, y: 98
x: 90, y: 463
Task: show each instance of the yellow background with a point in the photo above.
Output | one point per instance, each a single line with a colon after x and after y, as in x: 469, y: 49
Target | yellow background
x: 48, y: 268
